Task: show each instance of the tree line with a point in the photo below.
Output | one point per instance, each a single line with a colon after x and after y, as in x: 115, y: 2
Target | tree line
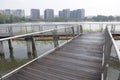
x: 12, y: 19
x: 99, y: 18
x: 102, y: 18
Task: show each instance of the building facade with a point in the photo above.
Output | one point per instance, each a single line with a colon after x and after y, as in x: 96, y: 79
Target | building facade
x: 8, y: 12
x: 77, y: 14
x: 35, y: 14
x: 48, y: 14
x: 82, y: 13
x: 65, y: 13
x: 19, y: 13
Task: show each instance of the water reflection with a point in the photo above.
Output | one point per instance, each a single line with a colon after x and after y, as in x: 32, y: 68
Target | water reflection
x: 19, y: 52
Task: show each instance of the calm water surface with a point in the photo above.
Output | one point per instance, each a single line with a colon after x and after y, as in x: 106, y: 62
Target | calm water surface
x: 20, y: 55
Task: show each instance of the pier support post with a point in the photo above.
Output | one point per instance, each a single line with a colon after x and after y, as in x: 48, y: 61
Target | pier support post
x: 10, y: 46
x: 1, y: 48
x: 81, y: 29
x: 11, y: 49
x: 55, y: 38
x: 34, y: 47
x: 73, y: 31
x: 31, y: 47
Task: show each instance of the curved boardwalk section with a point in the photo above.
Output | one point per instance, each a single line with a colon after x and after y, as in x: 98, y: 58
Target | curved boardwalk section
x: 80, y: 59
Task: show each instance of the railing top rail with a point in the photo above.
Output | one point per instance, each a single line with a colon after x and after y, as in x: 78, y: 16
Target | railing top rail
x: 114, y: 44
x: 60, y: 23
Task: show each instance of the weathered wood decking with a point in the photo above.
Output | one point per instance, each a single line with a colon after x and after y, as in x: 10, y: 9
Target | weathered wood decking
x: 81, y: 59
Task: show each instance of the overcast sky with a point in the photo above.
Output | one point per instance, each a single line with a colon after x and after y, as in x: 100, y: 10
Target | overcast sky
x: 92, y: 7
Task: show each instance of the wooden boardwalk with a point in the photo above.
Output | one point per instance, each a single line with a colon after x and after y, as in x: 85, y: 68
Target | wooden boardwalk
x: 80, y: 59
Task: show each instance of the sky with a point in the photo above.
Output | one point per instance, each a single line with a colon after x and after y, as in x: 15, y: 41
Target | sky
x: 92, y: 7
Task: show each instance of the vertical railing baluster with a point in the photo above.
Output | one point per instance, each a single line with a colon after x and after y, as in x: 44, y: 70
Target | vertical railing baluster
x: 73, y: 31
x: 81, y: 29
x: 34, y: 47
x: 10, y: 31
x: 78, y: 30
x: 55, y: 38
x: 10, y: 46
x: 90, y: 28
x: 26, y: 28
x: 1, y: 48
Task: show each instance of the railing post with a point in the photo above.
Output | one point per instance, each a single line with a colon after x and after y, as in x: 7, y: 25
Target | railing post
x: 10, y: 31
x: 29, y: 47
x: 1, y: 48
x: 81, y: 29
x: 73, y: 31
x: 90, y: 28
x: 78, y: 30
x: 55, y: 38
x: 40, y: 28
x: 26, y: 29
x: 114, y: 28
x: 101, y: 27
x: 10, y: 47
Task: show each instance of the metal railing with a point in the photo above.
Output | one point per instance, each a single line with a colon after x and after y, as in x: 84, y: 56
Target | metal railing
x: 110, y: 48
x: 23, y: 28
x: 72, y: 31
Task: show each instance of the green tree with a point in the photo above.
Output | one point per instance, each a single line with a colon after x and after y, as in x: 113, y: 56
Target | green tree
x: 59, y: 19
x: 111, y: 18
x: 2, y: 19
x: 12, y: 19
x: 118, y: 18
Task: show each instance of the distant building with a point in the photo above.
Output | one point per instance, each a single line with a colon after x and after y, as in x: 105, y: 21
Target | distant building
x: 61, y: 14
x: 19, y: 13
x: 48, y: 14
x: 77, y: 14
x: 82, y: 13
x: 1, y: 12
x: 73, y: 14
x: 65, y: 13
x: 35, y: 14
x: 8, y: 12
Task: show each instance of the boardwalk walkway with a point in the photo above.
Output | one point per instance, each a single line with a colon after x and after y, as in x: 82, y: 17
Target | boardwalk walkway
x: 81, y: 59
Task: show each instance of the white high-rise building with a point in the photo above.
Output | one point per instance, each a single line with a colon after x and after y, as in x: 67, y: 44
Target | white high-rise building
x: 19, y: 13
x: 8, y: 12
x: 35, y: 14
x: 82, y: 13
x: 49, y: 14
x: 65, y: 13
x: 75, y: 14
